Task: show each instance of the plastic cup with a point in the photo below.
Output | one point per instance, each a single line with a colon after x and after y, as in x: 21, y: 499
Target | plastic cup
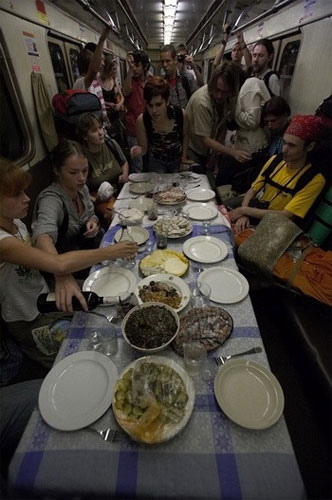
x: 109, y: 342
x: 200, y: 295
x: 194, y: 356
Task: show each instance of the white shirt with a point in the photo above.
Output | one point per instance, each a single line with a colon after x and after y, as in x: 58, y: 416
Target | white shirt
x: 19, y: 286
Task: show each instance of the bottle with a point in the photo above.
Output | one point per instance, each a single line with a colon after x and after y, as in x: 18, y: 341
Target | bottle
x: 46, y: 302
x: 126, y: 236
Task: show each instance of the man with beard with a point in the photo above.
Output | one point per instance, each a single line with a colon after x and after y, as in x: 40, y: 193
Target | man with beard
x: 207, y: 112
x: 261, y: 57
x: 287, y: 183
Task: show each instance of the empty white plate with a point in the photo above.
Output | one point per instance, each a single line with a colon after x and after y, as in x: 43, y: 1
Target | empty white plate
x: 110, y: 282
x: 200, y: 194
x: 138, y: 233
x: 140, y: 177
x: 200, y: 211
x: 249, y: 394
x: 205, y: 249
x: 227, y: 285
x: 78, y: 390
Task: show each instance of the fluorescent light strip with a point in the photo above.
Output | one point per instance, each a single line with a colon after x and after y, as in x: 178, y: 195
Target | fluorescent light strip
x: 170, y: 7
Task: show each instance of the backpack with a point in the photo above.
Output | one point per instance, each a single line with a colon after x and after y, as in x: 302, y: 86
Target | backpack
x: 266, y: 81
x: 305, y: 178
x: 69, y: 105
x: 185, y: 85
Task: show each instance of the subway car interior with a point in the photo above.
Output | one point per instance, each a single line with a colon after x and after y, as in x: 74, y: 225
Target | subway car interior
x: 41, y: 42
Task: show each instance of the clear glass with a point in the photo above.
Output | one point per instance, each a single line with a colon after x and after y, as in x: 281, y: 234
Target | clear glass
x: 95, y: 340
x: 128, y: 262
x: 209, y: 369
x: 194, y: 356
x: 149, y: 246
x: 200, y: 295
x: 161, y: 240
x: 206, y: 228
x: 109, y: 341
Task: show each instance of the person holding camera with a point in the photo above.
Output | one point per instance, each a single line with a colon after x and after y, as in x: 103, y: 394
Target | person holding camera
x: 287, y: 183
x: 187, y: 65
x: 181, y: 84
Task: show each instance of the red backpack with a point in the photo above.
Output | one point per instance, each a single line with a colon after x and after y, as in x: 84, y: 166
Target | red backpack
x: 68, y: 106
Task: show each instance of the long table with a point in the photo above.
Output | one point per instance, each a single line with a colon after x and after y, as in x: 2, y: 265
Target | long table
x: 211, y: 458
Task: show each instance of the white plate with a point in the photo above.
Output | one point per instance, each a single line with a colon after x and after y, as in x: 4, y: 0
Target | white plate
x: 200, y: 211
x: 200, y: 194
x: 142, y: 177
x: 170, y: 430
x: 139, y: 234
x: 110, y: 282
x: 227, y: 285
x: 249, y: 394
x: 205, y: 249
x: 178, y: 283
x: 78, y: 390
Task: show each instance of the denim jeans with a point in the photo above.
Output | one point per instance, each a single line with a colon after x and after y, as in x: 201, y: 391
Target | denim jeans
x: 136, y: 164
x: 163, y: 166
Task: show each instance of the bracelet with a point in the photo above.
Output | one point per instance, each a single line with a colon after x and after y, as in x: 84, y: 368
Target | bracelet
x: 223, y: 42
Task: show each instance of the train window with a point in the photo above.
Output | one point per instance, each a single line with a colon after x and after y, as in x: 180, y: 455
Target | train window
x: 15, y: 143
x: 289, y: 54
x: 59, y: 66
x: 73, y: 53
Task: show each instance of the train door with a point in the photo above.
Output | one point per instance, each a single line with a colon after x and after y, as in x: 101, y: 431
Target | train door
x: 288, y: 53
x: 64, y: 61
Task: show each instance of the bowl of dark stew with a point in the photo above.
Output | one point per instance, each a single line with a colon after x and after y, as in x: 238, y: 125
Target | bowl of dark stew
x: 150, y: 327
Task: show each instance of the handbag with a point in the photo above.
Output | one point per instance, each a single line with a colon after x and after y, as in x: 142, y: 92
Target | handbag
x: 271, y: 238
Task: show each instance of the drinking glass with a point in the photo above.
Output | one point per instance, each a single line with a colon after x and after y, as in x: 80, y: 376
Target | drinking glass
x: 149, y: 246
x: 200, y: 295
x: 194, y: 355
x: 206, y: 228
x: 109, y: 341
x: 95, y: 340
x: 161, y: 240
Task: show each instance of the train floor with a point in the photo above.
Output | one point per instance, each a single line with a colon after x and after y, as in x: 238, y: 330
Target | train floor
x: 308, y: 409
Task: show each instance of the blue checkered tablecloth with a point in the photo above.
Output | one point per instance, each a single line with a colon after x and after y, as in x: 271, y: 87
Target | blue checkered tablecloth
x: 211, y: 458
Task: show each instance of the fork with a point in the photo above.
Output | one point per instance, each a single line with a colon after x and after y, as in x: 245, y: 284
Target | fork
x: 221, y: 360
x: 108, y: 434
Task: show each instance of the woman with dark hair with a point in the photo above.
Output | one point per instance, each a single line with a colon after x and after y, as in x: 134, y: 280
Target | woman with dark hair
x: 20, y: 262
x: 161, y: 130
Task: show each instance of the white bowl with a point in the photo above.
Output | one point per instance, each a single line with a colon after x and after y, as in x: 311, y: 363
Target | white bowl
x: 144, y: 306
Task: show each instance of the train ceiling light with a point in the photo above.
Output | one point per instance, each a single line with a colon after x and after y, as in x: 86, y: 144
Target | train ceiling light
x: 170, y: 8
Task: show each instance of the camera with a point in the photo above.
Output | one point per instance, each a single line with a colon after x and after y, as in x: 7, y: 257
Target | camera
x: 181, y: 58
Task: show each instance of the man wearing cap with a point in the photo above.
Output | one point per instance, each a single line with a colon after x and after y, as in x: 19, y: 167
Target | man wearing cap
x: 288, y: 183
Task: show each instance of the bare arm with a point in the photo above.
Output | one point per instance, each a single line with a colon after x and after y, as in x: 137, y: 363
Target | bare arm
x: 121, y: 99
x: 220, y: 54
x: 246, y: 52
x: 199, y: 77
x: 96, y: 59
x: 237, y: 154
x: 142, y: 139
x: 16, y: 252
x: 127, y: 84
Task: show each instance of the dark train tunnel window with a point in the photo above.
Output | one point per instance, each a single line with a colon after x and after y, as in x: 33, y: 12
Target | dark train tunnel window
x: 287, y: 66
x: 16, y: 143
x: 59, y: 66
x: 73, y: 53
